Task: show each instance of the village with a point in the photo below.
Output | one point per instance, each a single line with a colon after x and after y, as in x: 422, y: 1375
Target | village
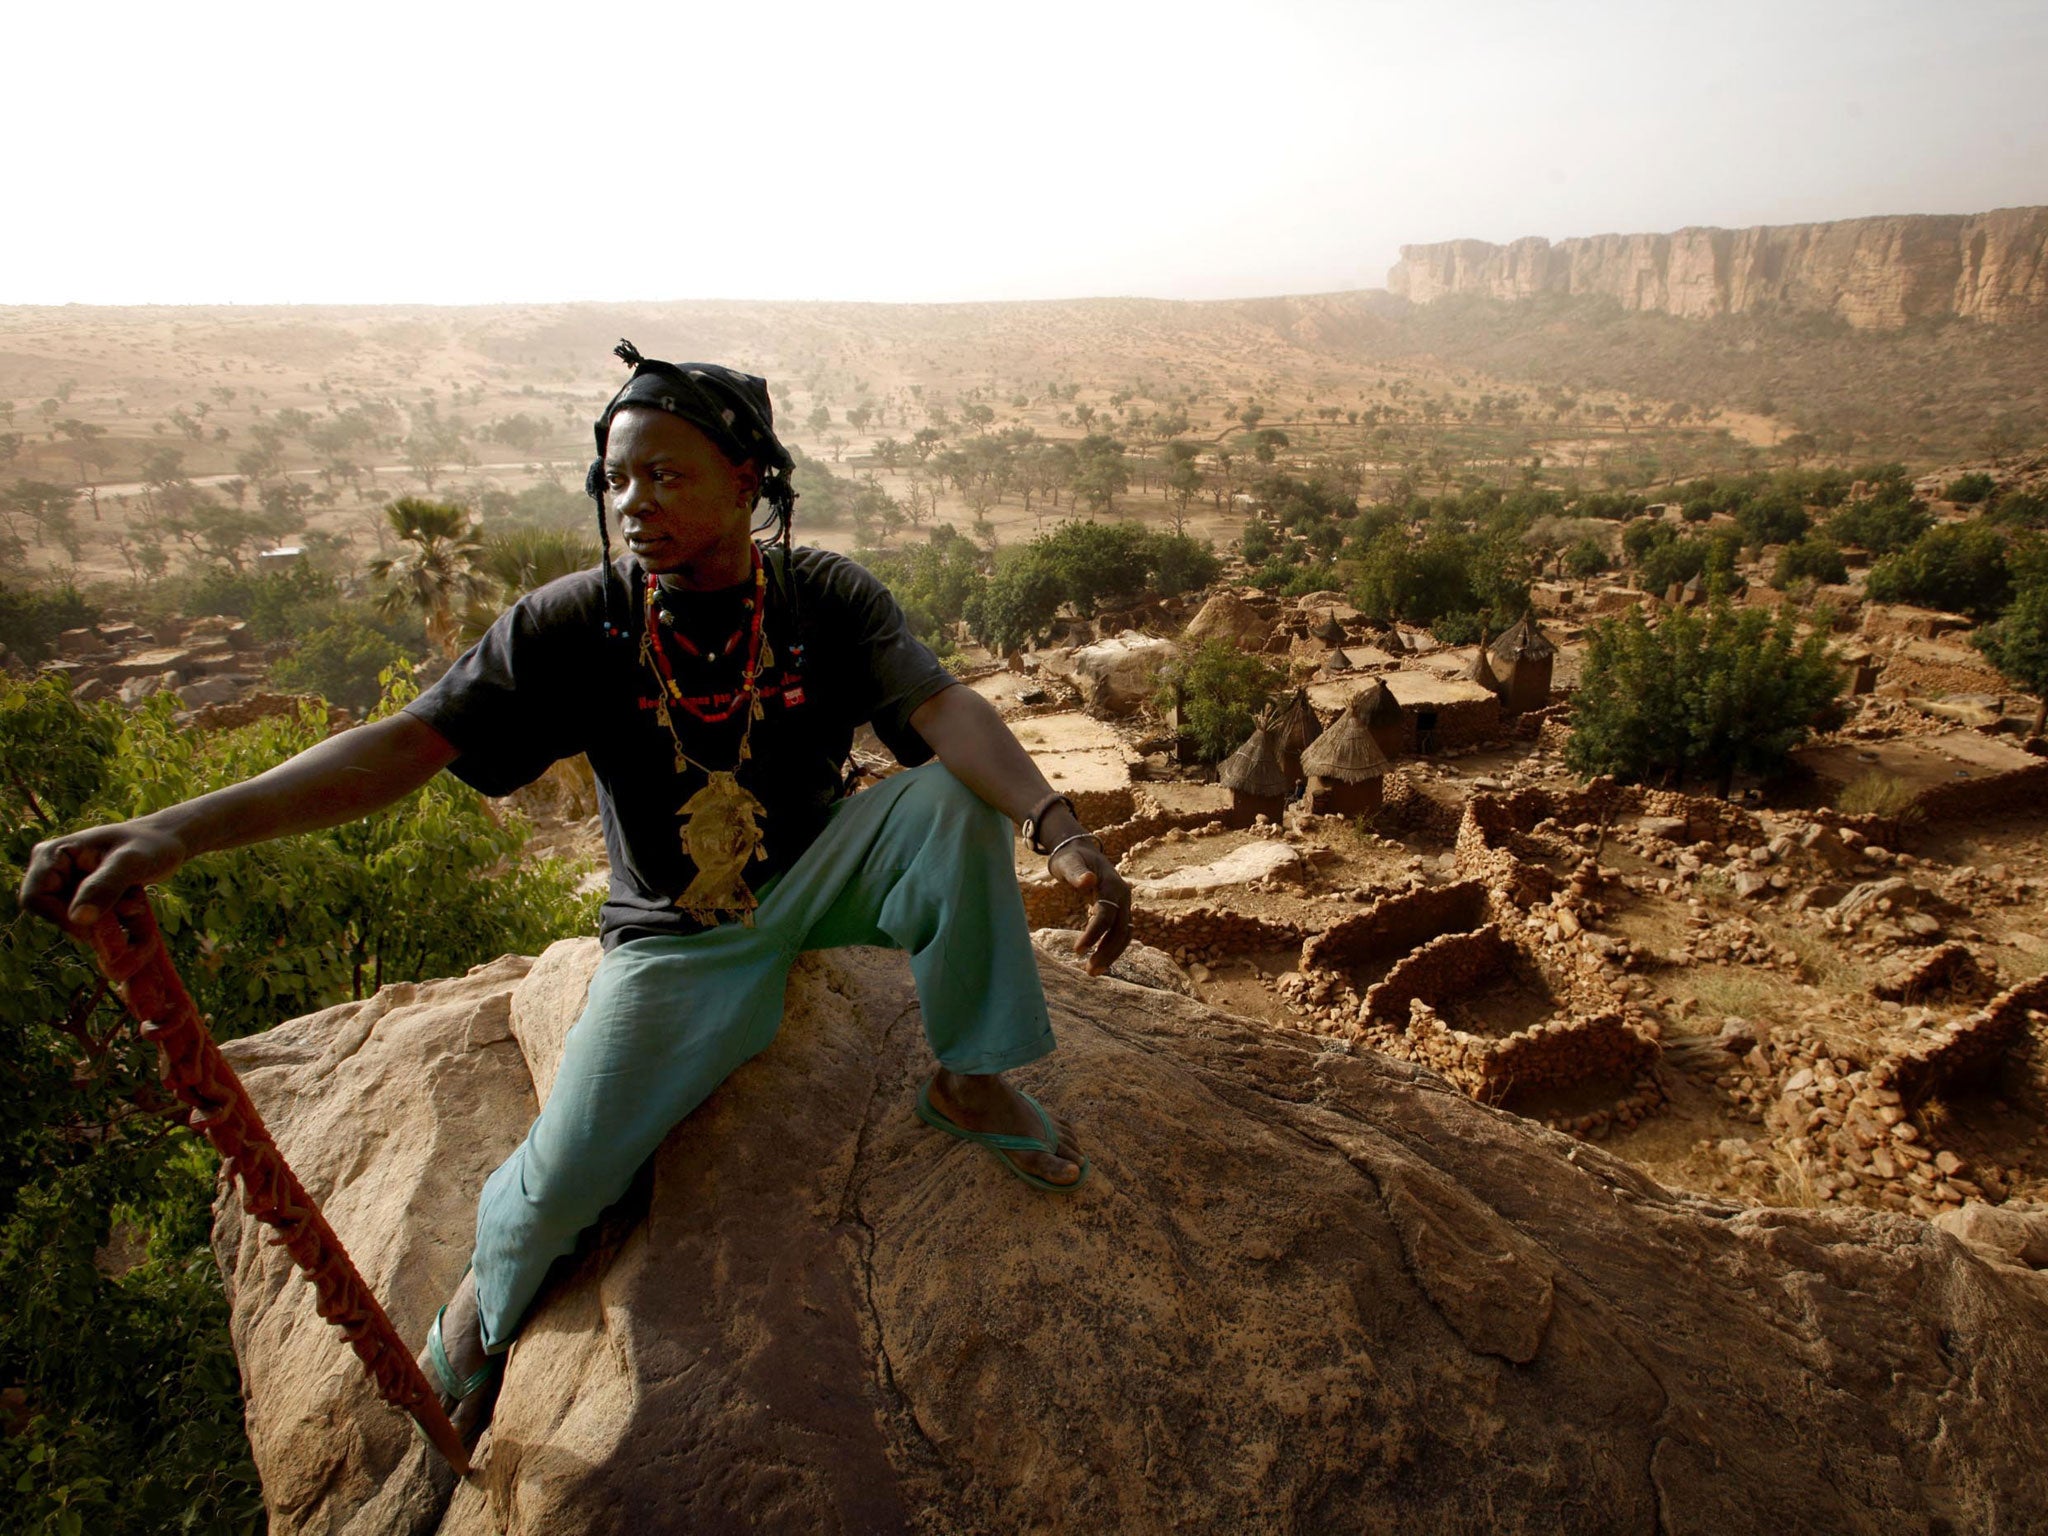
x: 1768, y: 996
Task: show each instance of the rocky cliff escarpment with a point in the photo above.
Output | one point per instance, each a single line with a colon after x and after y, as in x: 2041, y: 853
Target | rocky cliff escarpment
x: 1307, y: 1289
x: 1874, y: 273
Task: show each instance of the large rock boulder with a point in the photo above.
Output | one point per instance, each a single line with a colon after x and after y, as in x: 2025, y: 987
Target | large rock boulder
x: 1118, y: 676
x: 1229, y: 618
x: 1305, y: 1290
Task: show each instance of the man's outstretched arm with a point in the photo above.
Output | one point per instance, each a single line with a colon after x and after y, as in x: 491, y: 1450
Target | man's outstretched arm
x: 971, y: 739
x: 72, y: 879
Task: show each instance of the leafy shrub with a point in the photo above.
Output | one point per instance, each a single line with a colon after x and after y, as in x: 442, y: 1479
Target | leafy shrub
x: 934, y: 583
x: 1775, y: 518
x: 1968, y: 490
x: 131, y: 1412
x: 1959, y: 568
x: 1699, y: 696
x: 1585, y: 558
x: 2015, y: 508
x: 31, y: 618
x: 1886, y: 522
x: 1813, y: 558
x: 1220, y: 692
x: 1180, y: 564
x: 341, y: 661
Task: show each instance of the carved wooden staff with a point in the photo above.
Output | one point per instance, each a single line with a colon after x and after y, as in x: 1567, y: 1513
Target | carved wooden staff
x: 131, y: 953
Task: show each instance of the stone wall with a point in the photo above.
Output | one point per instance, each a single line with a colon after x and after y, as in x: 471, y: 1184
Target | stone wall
x: 1468, y: 723
x: 1214, y: 930
x: 1405, y: 802
x: 1118, y: 839
x: 1103, y: 807
x: 1437, y: 972
x: 1396, y: 924
x: 1562, y: 1053
x: 1968, y: 1049
x: 1969, y: 799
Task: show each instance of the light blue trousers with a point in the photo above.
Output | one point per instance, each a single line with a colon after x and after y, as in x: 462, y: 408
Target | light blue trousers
x: 917, y: 863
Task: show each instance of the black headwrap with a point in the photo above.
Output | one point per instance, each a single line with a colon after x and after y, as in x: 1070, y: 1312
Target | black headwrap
x: 727, y: 406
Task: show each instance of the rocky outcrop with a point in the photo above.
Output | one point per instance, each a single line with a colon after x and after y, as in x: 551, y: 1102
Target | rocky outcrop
x: 1874, y: 273
x: 1306, y: 1290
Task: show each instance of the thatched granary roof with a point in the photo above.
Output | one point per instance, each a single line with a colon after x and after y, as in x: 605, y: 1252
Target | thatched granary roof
x: 1376, y: 705
x: 1346, y: 752
x: 1254, y: 769
x: 1524, y: 641
x: 1294, y: 724
x: 1481, y: 671
x: 1330, y: 632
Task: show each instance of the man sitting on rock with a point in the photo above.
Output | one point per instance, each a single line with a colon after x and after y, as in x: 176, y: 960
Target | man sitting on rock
x: 715, y: 686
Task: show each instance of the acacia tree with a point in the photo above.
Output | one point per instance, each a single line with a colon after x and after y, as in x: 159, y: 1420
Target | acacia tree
x: 435, y: 572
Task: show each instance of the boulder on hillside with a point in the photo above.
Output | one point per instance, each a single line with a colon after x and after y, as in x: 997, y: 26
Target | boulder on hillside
x: 1119, y: 675
x: 1305, y: 1290
x: 1229, y: 618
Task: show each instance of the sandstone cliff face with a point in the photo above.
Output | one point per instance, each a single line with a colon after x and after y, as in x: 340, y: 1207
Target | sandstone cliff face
x: 1874, y: 273
x: 1306, y: 1290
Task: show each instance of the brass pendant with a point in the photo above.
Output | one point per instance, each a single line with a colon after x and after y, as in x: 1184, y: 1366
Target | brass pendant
x: 721, y: 832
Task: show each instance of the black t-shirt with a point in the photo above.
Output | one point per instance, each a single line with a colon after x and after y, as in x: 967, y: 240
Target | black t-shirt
x: 545, y: 683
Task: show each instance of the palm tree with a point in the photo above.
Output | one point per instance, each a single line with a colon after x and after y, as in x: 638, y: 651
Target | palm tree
x: 515, y: 561
x: 435, y: 572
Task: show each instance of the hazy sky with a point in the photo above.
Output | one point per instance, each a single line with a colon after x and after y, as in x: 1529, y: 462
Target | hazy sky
x: 450, y: 153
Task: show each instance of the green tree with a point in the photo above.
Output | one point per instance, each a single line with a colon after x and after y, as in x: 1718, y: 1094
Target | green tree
x: 1585, y: 558
x: 1968, y: 490
x: 1958, y: 567
x: 341, y: 660
x: 1101, y: 472
x: 1699, y: 696
x: 1093, y: 561
x: 1220, y: 692
x: 128, y: 1417
x: 1886, y: 522
x: 1176, y: 563
x: 435, y: 573
x: 1017, y: 606
x: 2018, y: 643
x: 31, y: 618
x: 1813, y: 558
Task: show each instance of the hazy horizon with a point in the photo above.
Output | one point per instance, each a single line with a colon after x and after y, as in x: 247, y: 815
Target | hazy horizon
x: 916, y: 154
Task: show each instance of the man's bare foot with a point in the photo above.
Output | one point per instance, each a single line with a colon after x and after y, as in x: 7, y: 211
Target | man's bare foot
x: 462, y: 1340
x: 984, y: 1102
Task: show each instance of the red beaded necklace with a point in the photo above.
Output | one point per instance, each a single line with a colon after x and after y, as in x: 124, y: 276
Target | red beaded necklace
x: 654, y: 650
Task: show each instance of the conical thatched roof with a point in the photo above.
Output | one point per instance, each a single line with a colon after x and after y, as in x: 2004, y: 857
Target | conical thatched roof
x: 1376, y: 705
x: 1254, y: 768
x: 1294, y: 724
x: 1481, y: 672
x: 1524, y: 641
x: 1346, y: 751
x: 1330, y: 632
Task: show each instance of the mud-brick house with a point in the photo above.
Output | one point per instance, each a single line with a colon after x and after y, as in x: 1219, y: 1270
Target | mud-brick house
x: 1522, y: 661
x: 1346, y: 768
x: 1258, y: 785
x: 1439, y: 712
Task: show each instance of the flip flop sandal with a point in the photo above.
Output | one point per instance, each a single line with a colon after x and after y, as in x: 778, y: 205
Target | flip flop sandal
x: 1003, y: 1145
x: 445, y: 1379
